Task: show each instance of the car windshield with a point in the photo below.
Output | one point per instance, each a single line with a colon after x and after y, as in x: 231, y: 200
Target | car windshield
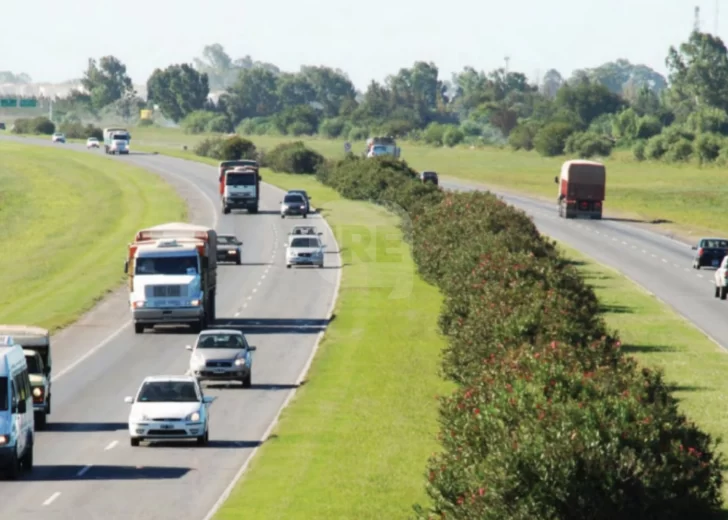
x: 93, y: 140
x: 293, y: 198
x: 305, y: 242
x: 221, y: 239
x: 4, y: 394
x: 297, y: 192
x: 240, y: 179
x: 33, y: 365
x: 168, y: 392
x: 167, y: 265
x: 235, y: 341
x: 715, y: 243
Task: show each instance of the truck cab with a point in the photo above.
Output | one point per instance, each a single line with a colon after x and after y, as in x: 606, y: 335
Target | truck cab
x: 378, y: 146
x: 116, y: 140
x: 240, y: 189
x: 36, y: 345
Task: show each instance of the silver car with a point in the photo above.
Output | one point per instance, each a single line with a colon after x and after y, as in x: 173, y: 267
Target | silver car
x: 222, y: 355
x: 305, y: 250
x: 293, y: 204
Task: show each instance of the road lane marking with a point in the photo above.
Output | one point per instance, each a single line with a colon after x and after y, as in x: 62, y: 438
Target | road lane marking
x: 111, y: 445
x: 83, y: 471
x: 52, y: 498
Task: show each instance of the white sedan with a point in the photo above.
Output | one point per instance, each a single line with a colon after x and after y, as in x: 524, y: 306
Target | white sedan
x: 305, y: 250
x: 92, y: 142
x: 169, y: 408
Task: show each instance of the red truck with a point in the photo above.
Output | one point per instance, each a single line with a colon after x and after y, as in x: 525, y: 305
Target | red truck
x: 581, y: 189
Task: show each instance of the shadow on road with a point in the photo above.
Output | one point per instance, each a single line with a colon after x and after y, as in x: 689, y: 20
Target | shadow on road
x: 85, y: 427
x: 255, y: 386
x: 638, y: 221
x: 219, y: 444
x: 277, y: 326
x: 79, y: 472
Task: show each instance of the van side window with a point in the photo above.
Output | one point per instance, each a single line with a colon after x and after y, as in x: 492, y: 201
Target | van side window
x: 13, y: 394
x: 21, y: 386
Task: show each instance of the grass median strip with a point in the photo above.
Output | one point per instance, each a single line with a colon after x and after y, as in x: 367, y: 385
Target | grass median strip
x: 65, y: 220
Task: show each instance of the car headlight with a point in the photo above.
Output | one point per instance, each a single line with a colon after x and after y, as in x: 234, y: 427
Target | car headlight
x: 232, y: 251
x: 194, y: 303
x: 138, y: 304
x: 240, y: 362
x: 140, y: 418
x: 194, y: 417
x: 37, y: 391
x: 197, y: 360
x: 4, y: 439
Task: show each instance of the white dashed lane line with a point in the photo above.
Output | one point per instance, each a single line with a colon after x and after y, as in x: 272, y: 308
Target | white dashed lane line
x: 111, y: 445
x: 52, y: 498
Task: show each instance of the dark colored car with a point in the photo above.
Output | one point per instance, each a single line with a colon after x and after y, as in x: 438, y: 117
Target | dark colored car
x: 429, y: 177
x: 305, y: 196
x: 293, y: 204
x: 228, y: 249
x: 710, y: 252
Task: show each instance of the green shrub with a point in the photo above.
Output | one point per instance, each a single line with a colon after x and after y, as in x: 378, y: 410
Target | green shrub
x: 648, y: 126
x: 679, y: 151
x: 639, y: 150
x: 235, y: 148
x: 219, y: 125
x: 656, y: 147
x: 588, y: 144
x: 708, y: 146
x: 76, y: 130
x: 196, y: 122
x: 294, y: 157
x: 434, y: 134
x: 145, y: 123
x: 210, y: 147
x: 522, y: 136
x: 333, y: 128
x: 546, y: 434
x: 453, y: 137
x: 358, y: 134
x: 551, y: 139
x: 37, y: 126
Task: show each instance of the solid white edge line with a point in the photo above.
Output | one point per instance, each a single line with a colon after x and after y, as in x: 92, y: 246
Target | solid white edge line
x: 226, y: 493
x: 52, y: 498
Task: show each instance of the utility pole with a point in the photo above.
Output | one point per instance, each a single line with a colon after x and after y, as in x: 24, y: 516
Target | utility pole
x: 696, y: 23
x: 50, y: 108
x: 717, y: 16
x: 507, y: 60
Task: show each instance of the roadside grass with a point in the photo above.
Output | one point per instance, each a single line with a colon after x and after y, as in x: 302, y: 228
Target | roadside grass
x: 658, y: 337
x: 65, y: 220
x: 354, y: 442
x: 689, y: 197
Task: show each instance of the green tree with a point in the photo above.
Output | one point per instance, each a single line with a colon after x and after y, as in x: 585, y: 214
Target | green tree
x: 107, y: 81
x: 179, y: 90
x: 254, y: 94
x: 588, y: 100
x: 332, y: 88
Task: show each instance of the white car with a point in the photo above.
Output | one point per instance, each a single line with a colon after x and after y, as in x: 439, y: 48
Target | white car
x: 720, y: 278
x: 58, y: 138
x: 305, y: 250
x: 92, y: 142
x: 222, y: 355
x: 169, y: 408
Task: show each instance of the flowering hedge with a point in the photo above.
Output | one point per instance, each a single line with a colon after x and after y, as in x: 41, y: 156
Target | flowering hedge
x: 550, y: 419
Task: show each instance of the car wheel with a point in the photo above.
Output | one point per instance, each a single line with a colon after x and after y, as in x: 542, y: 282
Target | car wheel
x: 238, y: 260
x: 283, y: 216
x: 723, y: 293
x: 27, y: 462
x: 305, y: 216
x: 40, y: 421
x: 138, y: 328
x: 13, y: 471
x: 202, y: 439
x: 248, y: 380
x: 288, y: 266
x: 717, y: 291
x: 134, y: 441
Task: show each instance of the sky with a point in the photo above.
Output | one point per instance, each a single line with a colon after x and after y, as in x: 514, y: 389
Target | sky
x: 369, y: 39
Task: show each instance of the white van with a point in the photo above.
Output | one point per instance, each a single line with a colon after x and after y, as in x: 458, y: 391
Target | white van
x: 17, y: 427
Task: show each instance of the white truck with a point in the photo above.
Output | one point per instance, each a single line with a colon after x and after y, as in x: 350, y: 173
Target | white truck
x: 172, y: 271
x: 116, y: 140
x: 721, y: 279
x: 377, y: 146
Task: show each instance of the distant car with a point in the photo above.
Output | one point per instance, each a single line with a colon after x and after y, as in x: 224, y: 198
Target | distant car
x: 294, y: 204
x: 305, y: 250
x: 169, y: 408
x: 304, y: 230
x: 710, y: 252
x: 429, y: 176
x: 92, y: 142
x: 2, y: 126
x: 222, y: 354
x: 305, y: 196
x: 58, y: 138
x: 720, y: 279
x: 228, y: 249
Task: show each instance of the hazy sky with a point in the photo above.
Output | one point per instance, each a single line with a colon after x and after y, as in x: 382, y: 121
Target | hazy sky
x: 51, y: 40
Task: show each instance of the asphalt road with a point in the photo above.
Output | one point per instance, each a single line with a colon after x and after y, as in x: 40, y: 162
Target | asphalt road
x: 658, y: 263
x: 84, y: 465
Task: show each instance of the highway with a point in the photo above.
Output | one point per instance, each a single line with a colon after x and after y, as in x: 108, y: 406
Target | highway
x: 85, y: 467
x: 658, y: 263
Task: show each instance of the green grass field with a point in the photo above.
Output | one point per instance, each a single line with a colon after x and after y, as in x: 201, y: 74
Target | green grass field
x: 690, y: 198
x: 334, y: 455
x: 65, y: 221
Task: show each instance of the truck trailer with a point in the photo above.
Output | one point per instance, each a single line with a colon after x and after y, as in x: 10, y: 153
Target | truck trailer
x: 378, y: 146
x: 172, y: 270
x: 581, y: 189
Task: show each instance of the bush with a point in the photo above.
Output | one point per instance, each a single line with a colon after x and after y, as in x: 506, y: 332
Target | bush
x: 708, y: 146
x: 235, y: 148
x: 648, y: 126
x: 36, y: 126
x: 294, y: 157
x: 332, y: 128
x: 551, y: 139
x: 588, y: 144
x: 196, y: 122
x: 546, y: 434
x: 210, y: 147
x: 639, y: 150
x: 522, y: 136
x: 219, y: 125
x: 679, y: 151
x: 358, y: 134
x: 656, y: 147
x: 77, y: 130
x: 453, y: 137
x: 143, y: 123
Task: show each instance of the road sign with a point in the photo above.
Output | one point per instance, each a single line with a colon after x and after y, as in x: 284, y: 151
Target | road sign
x: 28, y: 103
x: 7, y: 103
x: 347, y: 147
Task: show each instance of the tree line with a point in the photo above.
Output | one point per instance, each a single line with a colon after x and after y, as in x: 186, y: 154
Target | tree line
x: 618, y: 104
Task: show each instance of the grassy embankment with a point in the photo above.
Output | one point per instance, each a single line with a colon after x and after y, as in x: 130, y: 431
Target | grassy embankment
x: 689, y: 197
x: 65, y: 220
x: 355, y: 442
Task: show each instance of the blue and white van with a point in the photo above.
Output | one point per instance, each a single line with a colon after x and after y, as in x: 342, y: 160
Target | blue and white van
x: 17, y: 427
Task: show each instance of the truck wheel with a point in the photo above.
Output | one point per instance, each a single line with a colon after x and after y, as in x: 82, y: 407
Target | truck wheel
x: 40, y: 421
x: 212, y: 311
x: 138, y: 328
x: 723, y: 293
x: 717, y: 291
x: 253, y: 209
x: 13, y: 471
x: 225, y: 210
x: 27, y: 460
x: 48, y: 405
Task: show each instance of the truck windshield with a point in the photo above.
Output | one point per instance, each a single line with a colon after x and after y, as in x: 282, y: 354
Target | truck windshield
x: 33, y: 365
x: 4, y: 405
x: 167, y: 265
x: 240, y: 179
x: 120, y: 137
